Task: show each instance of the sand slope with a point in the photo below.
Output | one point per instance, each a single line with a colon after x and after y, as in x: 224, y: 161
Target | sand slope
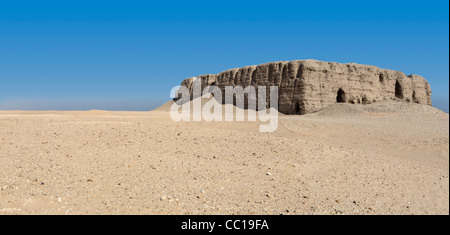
x: 375, y: 159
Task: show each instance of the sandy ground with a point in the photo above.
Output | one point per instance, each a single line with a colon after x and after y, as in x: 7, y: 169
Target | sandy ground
x: 387, y: 158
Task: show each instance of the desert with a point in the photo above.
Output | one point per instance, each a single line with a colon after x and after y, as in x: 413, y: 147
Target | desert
x: 224, y: 115
x: 389, y: 157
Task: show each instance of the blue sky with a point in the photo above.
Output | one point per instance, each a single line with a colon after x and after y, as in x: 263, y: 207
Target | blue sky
x: 127, y: 55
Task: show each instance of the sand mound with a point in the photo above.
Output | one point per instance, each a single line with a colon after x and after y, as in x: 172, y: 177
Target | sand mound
x: 342, y: 109
x: 379, y: 107
x: 165, y: 107
x: 400, y: 107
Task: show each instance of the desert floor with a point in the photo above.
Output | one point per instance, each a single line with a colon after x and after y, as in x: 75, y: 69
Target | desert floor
x: 386, y: 158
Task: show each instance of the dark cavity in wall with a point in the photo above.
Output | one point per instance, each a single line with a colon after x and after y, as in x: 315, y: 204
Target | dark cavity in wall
x: 298, y: 109
x: 398, y: 90
x: 381, y: 78
x: 414, y: 97
x: 341, y: 96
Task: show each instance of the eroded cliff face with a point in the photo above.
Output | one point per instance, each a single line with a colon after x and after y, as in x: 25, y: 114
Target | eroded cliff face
x: 306, y: 86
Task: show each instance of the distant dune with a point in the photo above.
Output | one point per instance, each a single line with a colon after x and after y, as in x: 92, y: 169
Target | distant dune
x: 165, y: 107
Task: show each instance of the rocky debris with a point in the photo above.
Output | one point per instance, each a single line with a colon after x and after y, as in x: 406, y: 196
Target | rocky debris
x: 389, y: 163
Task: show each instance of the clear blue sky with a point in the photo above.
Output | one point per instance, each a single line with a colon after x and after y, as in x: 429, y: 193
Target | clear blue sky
x: 127, y: 55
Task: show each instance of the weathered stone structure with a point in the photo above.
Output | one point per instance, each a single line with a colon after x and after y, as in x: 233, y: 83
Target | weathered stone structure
x: 307, y: 86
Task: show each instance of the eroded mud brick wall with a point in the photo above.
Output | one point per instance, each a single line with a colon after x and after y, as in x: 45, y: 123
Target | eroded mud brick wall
x: 307, y: 86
